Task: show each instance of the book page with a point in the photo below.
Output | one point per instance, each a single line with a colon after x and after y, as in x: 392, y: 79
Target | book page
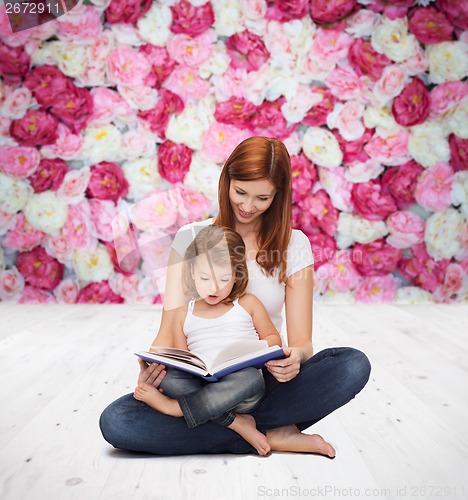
x: 238, y: 349
x: 178, y: 354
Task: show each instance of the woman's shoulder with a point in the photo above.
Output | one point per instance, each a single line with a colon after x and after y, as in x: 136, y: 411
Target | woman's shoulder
x: 298, y: 239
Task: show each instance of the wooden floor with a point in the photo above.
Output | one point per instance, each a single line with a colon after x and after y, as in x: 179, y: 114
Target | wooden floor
x: 404, y: 436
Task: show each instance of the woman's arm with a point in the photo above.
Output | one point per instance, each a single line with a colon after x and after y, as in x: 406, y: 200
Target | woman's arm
x: 298, y: 306
x: 265, y: 328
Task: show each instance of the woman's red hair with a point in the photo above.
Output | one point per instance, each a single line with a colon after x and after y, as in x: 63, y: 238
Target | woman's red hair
x: 259, y: 158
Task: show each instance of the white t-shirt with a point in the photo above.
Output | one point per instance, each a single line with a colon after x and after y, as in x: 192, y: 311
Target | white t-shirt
x: 266, y: 288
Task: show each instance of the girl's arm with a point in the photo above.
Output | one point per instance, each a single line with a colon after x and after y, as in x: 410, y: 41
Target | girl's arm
x: 298, y: 306
x: 265, y: 328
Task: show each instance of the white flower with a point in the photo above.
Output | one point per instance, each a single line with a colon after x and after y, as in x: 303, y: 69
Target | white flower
x: 139, y: 97
x: 362, y: 23
x: 392, y: 39
x: 412, y: 295
x: 126, y: 34
x: 337, y: 187
x: 448, y: 61
x: 46, y: 212
x: 189, y: 126
x: 443, y: 234
x: 293, y: 142
x: 2, y: 259
x: 460, y: 191
x: 458, y: 120
x: 7, y: 220
x: 101, y: 143
x: 359, y: 171
x: 352, y: 228
x: 228, y: 17
x: 427, y: 144
x: 101, y: 5
x: 72, y: 59
x: 218, y: 62
x: 381, y: 118
x: 332, y: 297
x: 92, y: 265
x: 296, y: 107
x: 143, y: 177
x: 138, y: 142
x: 154, y: 25
x: 322, y: 147
x: 203, y: 177
x: 14, y: 194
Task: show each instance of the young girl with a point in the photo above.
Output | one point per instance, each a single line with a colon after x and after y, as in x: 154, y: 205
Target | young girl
x: 215, y: 272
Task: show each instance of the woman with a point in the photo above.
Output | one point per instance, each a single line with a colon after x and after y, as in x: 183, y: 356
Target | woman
x: 254, y: 200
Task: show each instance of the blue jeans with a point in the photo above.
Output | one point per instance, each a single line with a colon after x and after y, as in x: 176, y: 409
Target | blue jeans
x: 326, y: 382
x: 201, y: 401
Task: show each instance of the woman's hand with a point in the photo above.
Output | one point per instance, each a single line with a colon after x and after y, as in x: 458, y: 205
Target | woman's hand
x: 285, y: 369
x: 152, y: 373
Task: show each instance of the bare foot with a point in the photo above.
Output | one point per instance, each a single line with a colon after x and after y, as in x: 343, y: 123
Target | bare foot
x: 289, y: 438
x: 152, y: 397
x: 245, y: 426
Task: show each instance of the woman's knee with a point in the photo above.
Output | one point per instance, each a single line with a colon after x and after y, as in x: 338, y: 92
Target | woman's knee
x: 358, y: 367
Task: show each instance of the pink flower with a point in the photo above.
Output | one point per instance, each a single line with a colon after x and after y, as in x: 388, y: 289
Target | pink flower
x: 23, y: 236
x: 247, y: 51
x: 108, y: 106
x: 235, y: 111
x: 411, y: 106
x: 98, y: 293
x: 303, y: 176
x: 391, y: 83
x: 46, y: 83
x: 347, y: 119
x: 157, y: 211
x: 83, y: 22
x: 344, y: 83
x: 158, y: 117
x: 67, y: 146
x: 421, y: 269
x: 393, y: 9
x: 124, y: 259
x: 31, y: 295
x: 102, y: 212
x: 269, y: 121
x: 190, y: 51
x: 366, y: 61
x: 78, y: 226
x: 317, y: 115
x: 323, y: 247
x: 187, y: 83
x: 446, y: 96
x: 67, y: 291
x: 338, y: 187
x: 456, y: 11
x: 72, y: 190
x: 14, y: 63
x: 17, y: 102
x: 453, y: 282
x: 458, y: 152
x: 340, y: 273
x: 107, y: 182
x: 376, y: 290
x: 371, y: 202
x: 162, y: 64
x: 39, y: 269
x: 324, y: 11
x: 401, y: 182
x: 19, y: 161
x: 73, y: 107
x: 174, y: 161
x: 7, y: 221
x: 128, y: 67
x: 429, y: 25
x: 36, y: 128
x: 219, y: 141
x: 434, y: 187
x: 197, y: 205
x: 59, y: 247
x: 391, y: 150
x: 331, y: 45
x: 319, y: 212
x: 191, y: 20
x: 287, y: 10
x: 377, y: 258
x: 127, y: 11
x: 11, y: 284
x: 406, y: 229
x: 126, y: 286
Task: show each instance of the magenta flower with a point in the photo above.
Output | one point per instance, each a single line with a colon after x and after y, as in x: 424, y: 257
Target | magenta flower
x: 73, y: 107
x: 46, y: 83
x: 401, y: 181
x: 458, y: 152
x: 49, y: 175
x: 377, y: 258
x: 128, y: 264
x: 39, y: 269
x: 247, y: 51
x: 318, y: 212
x: 98, y: 293
x: 236, y: 111
x: 317, y: 115
x: 174, y: 161
x: 35, y: 128
x: 323, y: 247
x: 158, y: 117
x: 191, y: 20
x: 287, y: 10
x: 269, y: 121
x: 366, y: 61
x: 456, y: 11
x: 161, y: 62
x: 14, y: 63
x: 107, y: 182
x: 429, y: 25
x: 353, y: 150
x: 303, y: 176
x: 127, y: 11
x: 324, y: 11
x: 412, y: 105
x: 371, y: 202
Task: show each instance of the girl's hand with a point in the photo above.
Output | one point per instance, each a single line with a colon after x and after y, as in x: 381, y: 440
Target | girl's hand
x: 152, y: 373
x: 285, y: 369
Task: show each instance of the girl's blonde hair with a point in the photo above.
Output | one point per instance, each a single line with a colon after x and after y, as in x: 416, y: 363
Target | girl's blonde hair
x: 220, y: 245
x: 259, y: 158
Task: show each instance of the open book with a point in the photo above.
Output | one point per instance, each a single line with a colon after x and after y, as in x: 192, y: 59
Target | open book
x: 235, y: 356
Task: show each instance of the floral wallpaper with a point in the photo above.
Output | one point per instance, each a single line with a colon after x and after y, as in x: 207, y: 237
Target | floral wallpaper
x: 132, y: 106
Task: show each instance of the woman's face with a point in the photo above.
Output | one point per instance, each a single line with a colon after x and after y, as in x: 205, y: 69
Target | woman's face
x: 250, y: 199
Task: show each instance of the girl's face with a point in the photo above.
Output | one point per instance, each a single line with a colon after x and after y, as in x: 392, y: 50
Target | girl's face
x: 250, y: 199
x: 213, y: 284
